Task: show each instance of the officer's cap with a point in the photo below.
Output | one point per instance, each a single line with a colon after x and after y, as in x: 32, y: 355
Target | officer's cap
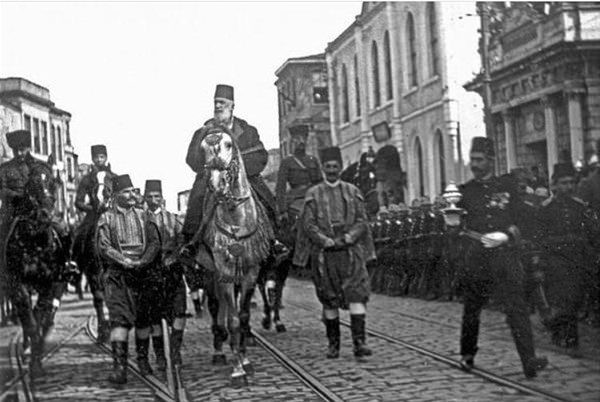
x: 153, y: 185
x: 299, y: 131
x: 224, y: 92
x: 121, y: 182
x: 99, y: 150
x: 484, y: 145
x: 330, y: 154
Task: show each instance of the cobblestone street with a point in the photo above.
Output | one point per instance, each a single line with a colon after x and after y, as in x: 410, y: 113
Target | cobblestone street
x: 78, y: 369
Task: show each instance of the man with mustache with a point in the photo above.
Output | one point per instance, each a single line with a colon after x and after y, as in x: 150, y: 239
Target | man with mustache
x: 129, y: 242
x: 491, y: 265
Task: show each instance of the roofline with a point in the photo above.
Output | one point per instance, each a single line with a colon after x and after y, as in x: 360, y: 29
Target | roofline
x: 304, y: 61
x: 358, y: 21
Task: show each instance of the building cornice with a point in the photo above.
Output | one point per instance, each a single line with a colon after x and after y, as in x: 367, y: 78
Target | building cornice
x: 318, y: 59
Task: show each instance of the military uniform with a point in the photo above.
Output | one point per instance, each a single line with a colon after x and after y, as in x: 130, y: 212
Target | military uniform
x: 300, y: 173
x: 568, y: 229
x: 493, y: 272
x: 14, y: 178
x: 84, y: 245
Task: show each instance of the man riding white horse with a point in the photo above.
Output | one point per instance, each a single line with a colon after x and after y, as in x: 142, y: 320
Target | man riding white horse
x: 255, y: 159
x: 92, y: 194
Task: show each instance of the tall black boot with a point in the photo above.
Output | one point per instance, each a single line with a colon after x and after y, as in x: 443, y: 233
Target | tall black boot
x: 37, y: 350
x: 102, y: 327
x: 159, y: 351
x: 176, y: 341
x: 357, y: 325
x: 141, y: 349
x: 119, y: 374
x: 332, y: 328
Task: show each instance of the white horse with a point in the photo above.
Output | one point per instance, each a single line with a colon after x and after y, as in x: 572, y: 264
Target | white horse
x: 238, y: 234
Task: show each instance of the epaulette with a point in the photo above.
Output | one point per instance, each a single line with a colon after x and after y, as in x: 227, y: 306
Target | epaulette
x: 579, y: 201
x: 547, y: 201
x: 531, y: 204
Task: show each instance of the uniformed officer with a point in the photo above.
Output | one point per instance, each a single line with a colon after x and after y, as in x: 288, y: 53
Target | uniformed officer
x: 129, y: 241
x: 491, y: 267
x: 14, y: 176
x: 174, y: 301
x: 569, y: 231
x: 89, y: 201
x: 299, y: 171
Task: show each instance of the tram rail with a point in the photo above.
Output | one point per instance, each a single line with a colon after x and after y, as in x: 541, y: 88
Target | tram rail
x: 486, y: 375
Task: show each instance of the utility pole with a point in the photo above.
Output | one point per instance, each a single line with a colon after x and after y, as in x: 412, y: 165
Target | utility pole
x: 484, y: 14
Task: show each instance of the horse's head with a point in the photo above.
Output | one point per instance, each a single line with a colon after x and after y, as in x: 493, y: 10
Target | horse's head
x: 222, y: 160
x: 103, y: 188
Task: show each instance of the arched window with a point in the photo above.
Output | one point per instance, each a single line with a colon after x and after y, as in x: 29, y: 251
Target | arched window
x: 420, y: 171
x: 441, y: 159
x: 356, y: 87
x: 375, y: 74
x: 345, y: 108
x: 389, y: 86
x: 412, y: 51
x: 433, y: 40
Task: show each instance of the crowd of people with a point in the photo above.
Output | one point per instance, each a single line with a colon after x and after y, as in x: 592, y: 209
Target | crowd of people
x: 519, y: 241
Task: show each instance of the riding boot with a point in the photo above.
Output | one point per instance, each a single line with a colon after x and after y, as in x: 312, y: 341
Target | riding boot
x: 332, y: 328
x: 220, y: 335
x: 176, y: 341
x: 102, y: 326
x: 357, y: 326
x: 37, y: 351
x: 119, y: 374
x: 159, y: 351
x: 141, y: 349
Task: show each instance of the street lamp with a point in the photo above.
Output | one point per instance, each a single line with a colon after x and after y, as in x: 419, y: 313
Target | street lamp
x: 452, y: 214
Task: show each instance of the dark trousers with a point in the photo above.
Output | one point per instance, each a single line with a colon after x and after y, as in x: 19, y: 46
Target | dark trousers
x: 497, y: 274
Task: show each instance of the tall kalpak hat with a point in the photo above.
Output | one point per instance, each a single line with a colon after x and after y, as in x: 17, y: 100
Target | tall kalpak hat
x: 153, y: 185
x: 563, y: 170
x: 19, y: 139
x: 330, y: 154
x: 99, y: 150
x: 483, y: 144
x: 224, y: 92
x: 301, y: 130
x: 121, y: 182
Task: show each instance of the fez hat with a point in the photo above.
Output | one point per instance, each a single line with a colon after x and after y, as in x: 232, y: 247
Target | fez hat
x: 301, y: 130
x: 121, y: 182
x: 563, y: 170
x: 483, y: 144
x: 19, y: 139
x: 224, y: 91
x: 98, y: 150
x: 330, y: 154
x: 153, y: 185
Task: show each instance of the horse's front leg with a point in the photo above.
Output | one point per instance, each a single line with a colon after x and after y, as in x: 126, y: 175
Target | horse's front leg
x: 281, y: 275
x: 238, y: 375
x: 218, y: 308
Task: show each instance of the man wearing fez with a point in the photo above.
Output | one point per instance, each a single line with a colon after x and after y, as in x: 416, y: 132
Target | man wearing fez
x: 569, y: 231
x: 299, y: 171
x: 491, y: 265
x: 255, y: 159
x: 129, y: 242
x: 335, y: 235
x: 14, y: 175
x: 86, y: 201
x: 174, y: 303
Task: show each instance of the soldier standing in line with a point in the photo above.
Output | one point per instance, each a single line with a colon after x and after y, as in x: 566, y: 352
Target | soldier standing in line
x: 84, y: 244
x: 491, y: 267
x: 336, y: 236
x: 174, y: 303
x: 569, y: 229
x: 129, y: 241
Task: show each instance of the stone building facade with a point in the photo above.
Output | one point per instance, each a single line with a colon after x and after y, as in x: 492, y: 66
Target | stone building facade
x: 545, y: 82
x: 395, y: 78
x: 27, y: 105
x: 303, y: 101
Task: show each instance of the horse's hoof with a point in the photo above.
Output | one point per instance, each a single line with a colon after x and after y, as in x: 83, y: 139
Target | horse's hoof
x: 239, y: 380
x: 248, y: 367
x: 280, y: 327
x: 219, y: 360
x: 266, y: 323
